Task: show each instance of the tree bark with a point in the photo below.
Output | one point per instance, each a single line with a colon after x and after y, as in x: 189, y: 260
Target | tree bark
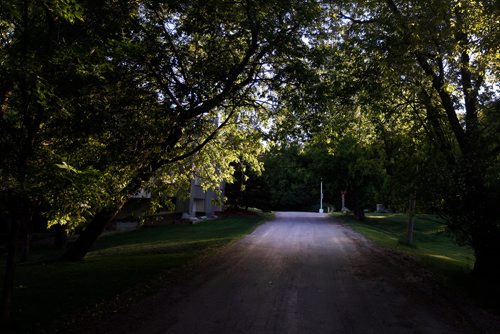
x: 25, y: 234
x: 78, y: 250
x: 485, y: 235
x: 10, y: 268
x: 60, y: 236
x: 411, y: 218
x: 25, y: 246
x: 487, y: 253
x: 358, y: 211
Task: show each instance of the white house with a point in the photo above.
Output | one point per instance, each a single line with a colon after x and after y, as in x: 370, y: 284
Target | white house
x: 201, y: 203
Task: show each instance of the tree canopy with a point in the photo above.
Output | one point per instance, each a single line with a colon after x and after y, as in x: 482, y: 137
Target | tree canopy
x: 382, y: 99
x: 417, y: 84
x: 101, y: 99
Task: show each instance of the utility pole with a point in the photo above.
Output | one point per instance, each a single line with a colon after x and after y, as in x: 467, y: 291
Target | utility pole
x: 321, y: 197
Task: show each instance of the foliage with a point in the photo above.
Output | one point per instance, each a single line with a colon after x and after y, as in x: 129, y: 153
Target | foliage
x: 383, y: 99
x: 292, y: 175
x: 249, y: 189
x: 102, y: 99
x: 441, y: 56
x: 414, y: 82
x: 161, y: 93
x: 290, y: 180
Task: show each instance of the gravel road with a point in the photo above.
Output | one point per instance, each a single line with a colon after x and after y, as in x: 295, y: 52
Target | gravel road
x: 301, y: 273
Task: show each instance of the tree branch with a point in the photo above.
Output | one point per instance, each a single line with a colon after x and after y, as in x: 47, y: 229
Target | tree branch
x: 358, y: 21
x: 446, y: 100
x: 204, y: 142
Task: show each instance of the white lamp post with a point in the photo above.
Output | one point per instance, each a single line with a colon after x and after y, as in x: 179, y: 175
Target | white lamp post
x: 321, y: 197
x: 343, y: 200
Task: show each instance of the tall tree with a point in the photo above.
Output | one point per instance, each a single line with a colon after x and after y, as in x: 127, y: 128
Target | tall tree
x: 444, y: 52
x: 29, y: 44
x: 101, y: 99
x: 199, y: 65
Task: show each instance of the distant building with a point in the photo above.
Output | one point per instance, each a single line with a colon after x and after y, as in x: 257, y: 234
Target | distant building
x: 201, y: 203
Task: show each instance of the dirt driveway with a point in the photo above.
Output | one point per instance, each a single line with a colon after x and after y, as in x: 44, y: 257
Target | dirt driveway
x: 301, y: 273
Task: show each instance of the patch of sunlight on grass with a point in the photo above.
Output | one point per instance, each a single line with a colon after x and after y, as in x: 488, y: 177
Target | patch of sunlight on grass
x: 435, y: 231
x: 383, y: 215
x: 432, y: 244
x: 157, y: 247
x: 443, y: 257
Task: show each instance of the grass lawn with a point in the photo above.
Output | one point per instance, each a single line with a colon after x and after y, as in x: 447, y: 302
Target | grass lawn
x: 433, y: 246
x: 133, y: 264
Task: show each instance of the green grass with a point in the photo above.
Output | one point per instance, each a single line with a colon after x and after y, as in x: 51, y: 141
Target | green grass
x: 433, y: 245
x: 133, y: 264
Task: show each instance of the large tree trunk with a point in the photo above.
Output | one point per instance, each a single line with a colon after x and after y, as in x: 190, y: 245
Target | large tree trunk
x: 358, y: 211
x: 411, y: 217
x: 485, y: 237
x: 60, y: 236
x: 10, y: 268
x: 17, y: 221
x: 92, y: 231
x: 25, y: 242
x: 487, y: 252
x: 478, y: 207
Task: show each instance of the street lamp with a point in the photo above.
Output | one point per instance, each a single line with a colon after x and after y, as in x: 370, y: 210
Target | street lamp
x: 321, y: 197
x: 342, y: 193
